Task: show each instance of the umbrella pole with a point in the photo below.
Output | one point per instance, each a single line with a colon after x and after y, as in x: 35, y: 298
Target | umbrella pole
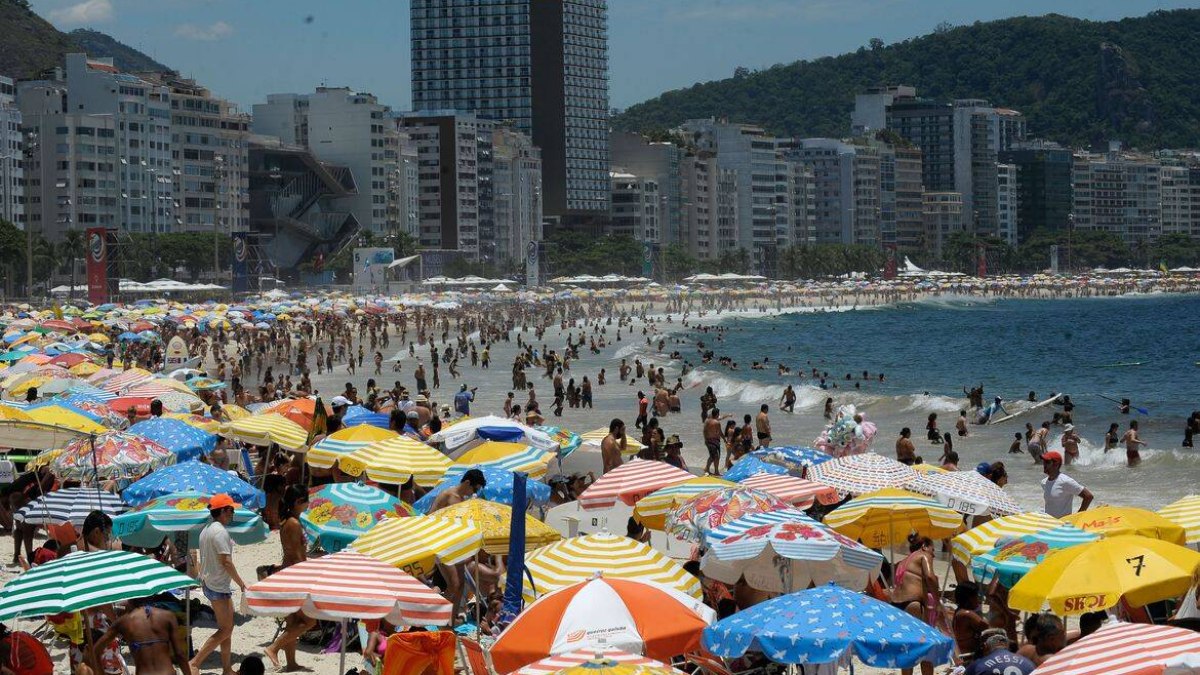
x: 342, y: 656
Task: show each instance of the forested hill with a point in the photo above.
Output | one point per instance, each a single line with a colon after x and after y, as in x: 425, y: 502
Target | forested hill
x: 1078, y: 82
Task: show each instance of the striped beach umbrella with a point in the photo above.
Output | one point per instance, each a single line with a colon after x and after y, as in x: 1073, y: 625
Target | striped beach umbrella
x: 395, y: 460
x: 181, y: 438
x: 630, y: 482
x: 506, y: 456
x: 339, y: 513
x: 148, y: 523
x: 111, y: 455
x: 1186, y: 513
x: 798, y: 492
x: 416, y: 544
x: 325, y: 452
x: 1124, y: 649
x: 595, y: 437
x: 966, y: 492
x: 499, y: 489
x: 860, y: 474
x: 578, y: 559
x: 568, y: 441
x: 84, y: 580
x: 553, y: 664
x: 749, y: 466
x: 886, y: 517
x: 495, y: 522
x: 705, y: 512
x: 652, y: 509
x: 348, y: 585
x: 983, y: 538
x: 69, y: 505
x: 194, y: 476
x: 1014, y: 557
x: 780, y: 551
x: 267, y: 429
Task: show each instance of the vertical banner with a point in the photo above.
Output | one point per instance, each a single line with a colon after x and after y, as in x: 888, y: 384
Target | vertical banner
x: 889, y: 265
x: 532, y: 259
x: 981, y: 260
x: 241, y: 255
x: 97, y: 265
x: 1054, y: 260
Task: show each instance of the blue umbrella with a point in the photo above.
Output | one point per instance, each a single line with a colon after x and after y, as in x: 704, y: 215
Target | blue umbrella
x: 181, y: 438
x: 822, y: 624
x: 499, y: 489
x: 356, y: 414
x: 195, y: 476
x: 128, y: 337
x: 793, y: 458
x: 751, y: 465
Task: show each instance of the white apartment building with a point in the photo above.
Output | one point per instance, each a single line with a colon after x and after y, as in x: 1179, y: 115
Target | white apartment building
x: 660, y: 162
x: 635, y: 208
x: 404, y: 188
x: 847, y: 190
x: 943, y: 216
x: 1007, y: 203
x: 517, y: 193
x: 710, y: 203
x: 1180, y: 200
x: 12, y: 149
x: 1118, y: 192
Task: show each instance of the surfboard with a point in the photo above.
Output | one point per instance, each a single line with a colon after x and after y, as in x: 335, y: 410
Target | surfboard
x: 1124, y: 365
x: 1040, y: 404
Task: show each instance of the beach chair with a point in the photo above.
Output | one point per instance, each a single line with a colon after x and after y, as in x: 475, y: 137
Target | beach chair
x: 475, y: 656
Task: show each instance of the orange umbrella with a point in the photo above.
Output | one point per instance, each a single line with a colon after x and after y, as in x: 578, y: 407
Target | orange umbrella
x: 298, y: 410
x: 640, y: 617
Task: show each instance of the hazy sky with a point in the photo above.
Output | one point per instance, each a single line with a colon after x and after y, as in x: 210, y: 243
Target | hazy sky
x: 245, y: 49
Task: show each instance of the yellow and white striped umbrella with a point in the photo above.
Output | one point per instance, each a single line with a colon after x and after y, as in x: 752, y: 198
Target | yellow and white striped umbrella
x: 416, y: 543
x: 395, y: 460
x: 267, y: 429
x: 1186, y: 513
x: 595, y: 437
x: 652, y: 510
x: 504, y: 456
x: 580, y: 558
x: 982, y: 539
x: 495, y: 521
x: 886, y: 517
x: 323, y: 454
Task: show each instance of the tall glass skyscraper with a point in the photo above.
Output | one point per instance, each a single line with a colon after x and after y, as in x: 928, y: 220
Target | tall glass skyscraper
x: 542, y: 64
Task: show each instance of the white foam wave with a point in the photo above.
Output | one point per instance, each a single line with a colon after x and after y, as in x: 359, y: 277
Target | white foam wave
x: 628, y: 351
x: 1092, y: 455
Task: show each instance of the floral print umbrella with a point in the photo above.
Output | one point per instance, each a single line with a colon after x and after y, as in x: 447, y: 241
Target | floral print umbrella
x: 338, y: 514
x: 147, y: 524
x: 116, y: 455
x: 700, y: 515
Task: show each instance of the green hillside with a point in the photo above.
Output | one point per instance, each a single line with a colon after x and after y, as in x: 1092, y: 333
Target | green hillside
x: 1077, y: 81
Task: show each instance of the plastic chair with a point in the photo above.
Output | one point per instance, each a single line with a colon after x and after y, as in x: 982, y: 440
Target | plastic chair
x: 475, y: 656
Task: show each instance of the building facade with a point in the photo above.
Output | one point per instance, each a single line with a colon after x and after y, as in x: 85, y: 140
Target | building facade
x: 710, y: 203
x: 660, y: 162
x: 1043, y: 187
x: 943, y: 215
x: 1120, y: 193
x: 12, y: 154
x: 847, y: 190
x: 635, y: 209
x: 517, y: 185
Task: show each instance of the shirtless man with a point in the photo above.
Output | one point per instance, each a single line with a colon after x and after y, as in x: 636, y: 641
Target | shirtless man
x: 762, y: 424
x: 153, y: 636
x: 470, y: 485
x: 712, y: 442
x: 906, y: 453
x: 614, y: 445
x: 787, y: 402
x: 1132, y: 443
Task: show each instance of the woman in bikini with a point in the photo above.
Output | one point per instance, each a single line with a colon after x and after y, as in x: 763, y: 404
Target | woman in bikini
x: 916, y: 587
x: 295, y: 550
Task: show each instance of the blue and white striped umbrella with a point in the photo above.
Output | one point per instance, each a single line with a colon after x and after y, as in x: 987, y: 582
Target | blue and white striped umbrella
x: 193, y: 475
x: 751, y: 465
x: 1013, y: 557
x: 181, y: 438
x: 795, y: 459
x: 499, y: 488
x: 90, y: 391
x: 69, y: 505
x: 185, y: 511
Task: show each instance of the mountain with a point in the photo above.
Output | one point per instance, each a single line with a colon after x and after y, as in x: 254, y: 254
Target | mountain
x: 32, y: 45
x: 1078, y: 82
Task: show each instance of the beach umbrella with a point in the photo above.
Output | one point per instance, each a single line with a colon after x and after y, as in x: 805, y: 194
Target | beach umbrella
x: 698, y: 516
x: 859, y: 474
x: 635, y: 616
x: 186, y: 511
x: 194, y: 476
x: 499, y: 489
x: 551, y: 665
x: 69, y: 505
x: 595, y: 437
x: 795, y: 459
x: 652, y: 509
x: 750, y: 466
x: 495, y: 522
x: 506, y: 456
x: 568, y: 441
x: 886, y: 517
x: 339, y: 513
x: 492, y: 428
x: 325, y: 452
x: 983, y: 538
x: 90, y: 407
x: 415, y: 544
x: 84, y: 580
x: 1095, y: 576
x: 206, y: 424
x: 599, y: 665
x: 630, y: 482
x: 395, y: 460
x: 967, y: 492
x: 181, y: 438
x: 267, y: 429
x: 1014, y: 557
x: 1125, y: 649
x: 578, y: 559
x: 358, y: 415
x: 798, y: 492
x: 110, y: 455
x: 1112, y: 521
x: 825, y: 624
x: 65, y: 418
x: 298, y: 410
x: 1186, y: 513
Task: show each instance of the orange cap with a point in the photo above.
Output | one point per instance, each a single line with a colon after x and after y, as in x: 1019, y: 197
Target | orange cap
x: 220, y: 501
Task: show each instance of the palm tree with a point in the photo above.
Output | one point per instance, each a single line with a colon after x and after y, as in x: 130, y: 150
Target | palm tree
x: 46, y: 260
x: 71, y: 248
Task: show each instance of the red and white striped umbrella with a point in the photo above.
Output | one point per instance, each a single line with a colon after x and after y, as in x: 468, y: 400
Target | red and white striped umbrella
x: 1123, y: 649
x: 795, y: 491
x: 630, y: 482
x: 553, y: 664
x: 860, y: 474
x: 349, y: 585
x: 126, y: 380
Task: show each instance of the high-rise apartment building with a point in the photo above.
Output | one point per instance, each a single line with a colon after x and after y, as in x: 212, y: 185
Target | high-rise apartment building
x: 1118, y: 192
x: 847, y: 190
x: 901, y: 197
x: 943, y: 215
x: 404, y: 184
x: 540, y: 64
x: 660, y: 162
x: 12, y: 149
x: 870, y: 109
x: 1043, y: 186
x: 1008, y: 200
x: 635, y: 209
x: 710, y: 203
x: 517, y: 189
x: 1179, y: 200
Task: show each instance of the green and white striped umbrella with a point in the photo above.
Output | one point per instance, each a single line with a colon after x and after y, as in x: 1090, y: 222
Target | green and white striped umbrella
x: 186, y: 511
x: 85, y: 580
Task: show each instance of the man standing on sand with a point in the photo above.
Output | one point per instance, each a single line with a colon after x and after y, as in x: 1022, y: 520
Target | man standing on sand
x: 614, y: 445
x: 1132, y: 442
x: 762, y: 425
x: 906, y: 453
x: 712, y: 442
x: 1059, y: 489
x: 217, y: 575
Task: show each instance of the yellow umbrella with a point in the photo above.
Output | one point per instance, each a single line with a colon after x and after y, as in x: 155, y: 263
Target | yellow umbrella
x: 267, y: 429
x: 1185, y: 512
x: 1095, y: 576
x: 416, y: 543
x: 99, y: 338
x: 85, y: 368
x: 580, y: 558
x: 495, y: 521
x: 203, y: 423
x: 396, y: 460
x: 886, y: 517
x: 652, y: 510
x: 509, y: 457
x: 595, y: 437
x: 1112, y: 521
x: 13, y: 414
x: 928, y: 468
x: 325, y: 453
x: 235, y: 412
x: 58, y: 416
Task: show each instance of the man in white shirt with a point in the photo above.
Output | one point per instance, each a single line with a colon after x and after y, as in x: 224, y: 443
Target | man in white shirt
x: 1060, y: 489
x: 217, y: 576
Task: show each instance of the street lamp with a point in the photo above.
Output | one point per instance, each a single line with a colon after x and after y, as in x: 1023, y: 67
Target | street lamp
x: 218, y: 188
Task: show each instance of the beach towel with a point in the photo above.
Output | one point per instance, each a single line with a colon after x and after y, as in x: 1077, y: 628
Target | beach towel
x: 420, y: 654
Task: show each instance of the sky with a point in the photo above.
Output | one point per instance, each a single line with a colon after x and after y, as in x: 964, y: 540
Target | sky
x: 245, y: 49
